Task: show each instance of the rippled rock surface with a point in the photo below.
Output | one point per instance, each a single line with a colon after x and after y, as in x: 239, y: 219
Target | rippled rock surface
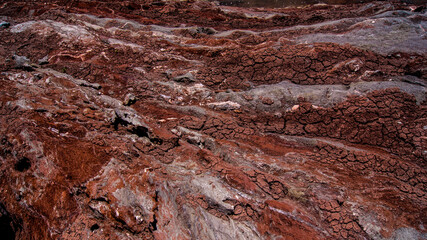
x: 194, y: 120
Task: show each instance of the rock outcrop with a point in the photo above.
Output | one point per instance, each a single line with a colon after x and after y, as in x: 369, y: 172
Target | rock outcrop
x: 192, y: 120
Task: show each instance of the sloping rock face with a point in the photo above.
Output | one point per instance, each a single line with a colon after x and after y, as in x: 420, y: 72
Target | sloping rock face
x: 190, y: 120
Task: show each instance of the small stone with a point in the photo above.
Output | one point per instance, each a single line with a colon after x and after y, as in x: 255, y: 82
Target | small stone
x: 38, y: 76
x: 356, y: 227
x: 248, y: 97
x: 44, y: 60
x: 22, y: 62
x: 310, y: 128
x: 295, y: 107
x: 202, y: 30
x: 348, y: 226
x: 335, y: 216
x: 4, y: 24
x: 186, y: 78
x: 168, y: 73
x: 267, y: 101
x: 84, y: 83
x: 238, y: 210
x: 129, y: 99
x: 336, y: 228
x: 249, y: 211
x: 228, y: 105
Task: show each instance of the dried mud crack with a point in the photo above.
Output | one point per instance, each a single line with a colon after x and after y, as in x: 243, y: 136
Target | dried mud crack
x: 193, y: 120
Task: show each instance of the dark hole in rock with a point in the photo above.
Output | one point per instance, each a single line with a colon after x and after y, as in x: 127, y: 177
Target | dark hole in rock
x: 418, y: 74
x: 118, y: 121
x: 23, y: 164
x: 159, y: 3
x: 94, y: 227
x: 140, y: 131
x: 157, y: 141
x: 153, y: 224
x: 102, y: 199
x: 6, y: 225
x: 214, y: 205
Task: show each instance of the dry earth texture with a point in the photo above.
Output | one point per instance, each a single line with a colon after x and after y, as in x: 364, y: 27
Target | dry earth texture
x: 192, y: 120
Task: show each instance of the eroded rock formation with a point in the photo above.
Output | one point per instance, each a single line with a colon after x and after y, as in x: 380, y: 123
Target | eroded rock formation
x: 191, y: 120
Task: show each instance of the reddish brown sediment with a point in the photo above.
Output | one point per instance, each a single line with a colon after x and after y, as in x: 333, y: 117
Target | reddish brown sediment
x: 190, y: 120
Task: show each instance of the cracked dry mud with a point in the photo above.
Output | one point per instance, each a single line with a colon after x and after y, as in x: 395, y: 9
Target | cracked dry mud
x: 191, y: 120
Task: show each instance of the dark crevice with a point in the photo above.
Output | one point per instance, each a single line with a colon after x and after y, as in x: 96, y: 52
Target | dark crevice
x: 212, y: 204
x: 122, y: 222
x: 23, y: 164
x: 156, y: 141
x: 94, y: 227
x: 153, y: 224
x: 417, y: 74
x: 7, y: 227
x: 102, y: 199
x: 119, y: 121
x: 140, y: 131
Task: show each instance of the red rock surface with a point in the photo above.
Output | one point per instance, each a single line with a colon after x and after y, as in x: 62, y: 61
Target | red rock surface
x: 190, y: 120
